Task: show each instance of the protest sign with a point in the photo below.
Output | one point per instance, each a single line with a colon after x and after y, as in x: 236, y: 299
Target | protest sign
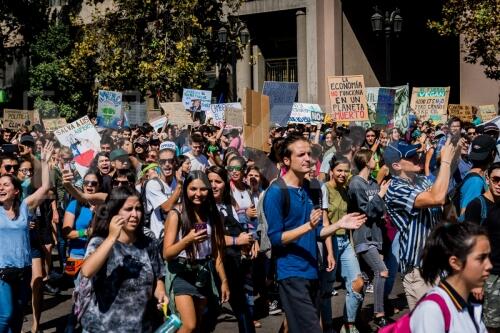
x: 430, y: 103
x: 256, y: 128
x: 305, y: 113
x: 136, y: 113
x: 14, y: 119
x: 82, y: 138
x: 53, y: 124
x: 385, y: 106
x: 281, y: 98
x: 401, y: 110
x: 196, y: 100
x: 233, y: 115
x: 216, y: 113
x: 176, y: 114
x: 487, y: 112
x: 347, y: 98
x: 109, y: 109
x: 464, y: 112
x: 158, y: 123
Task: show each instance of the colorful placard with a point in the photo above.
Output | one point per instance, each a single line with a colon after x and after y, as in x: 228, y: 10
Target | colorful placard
x: 430, y: 103
x: 82, y: 138
x: 347, y: 98
x: 196, y: 100
x: 306, y: 113
x: 109, y: 109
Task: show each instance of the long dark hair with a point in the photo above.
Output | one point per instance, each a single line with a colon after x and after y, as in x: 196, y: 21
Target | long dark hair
x: 17, y: 199
x: 222, y: 173
x: 446, y: 240
x: 208, y: 209
x: 114, y: 202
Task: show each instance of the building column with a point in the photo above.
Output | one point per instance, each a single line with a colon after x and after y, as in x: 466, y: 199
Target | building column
x: 243, y: 73
x: 302, y: 55
x: 259, y: 69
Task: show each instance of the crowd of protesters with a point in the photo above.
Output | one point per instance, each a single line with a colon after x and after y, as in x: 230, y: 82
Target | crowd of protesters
x: 191, y: 218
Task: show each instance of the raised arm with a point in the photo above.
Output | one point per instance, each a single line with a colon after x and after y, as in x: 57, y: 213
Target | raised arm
x: 84, y: 198
x: 35, y: 199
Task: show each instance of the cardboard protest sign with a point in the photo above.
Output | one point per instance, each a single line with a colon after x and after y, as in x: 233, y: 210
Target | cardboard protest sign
x: 256, y: 128
x: 177, y: 114
x: 53, y: 124
x: 430, y: 103
x: 487, y: 112
x: 347, y: 98
x: 281, y: 98
x: 14, y: 119
x: 136, y: 113
x: 82, y: 137
x: 464, y: 112
x: 216, y: 113
x: 109, y: 109
x: 196, y: 100
x: 158, y: 123
x: 305, y: 113
x: 233, y: 114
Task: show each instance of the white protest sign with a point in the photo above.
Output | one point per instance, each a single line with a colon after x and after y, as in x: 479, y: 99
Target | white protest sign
x: 196, y: 100
x: 158, y: 123
x: 82, y: 138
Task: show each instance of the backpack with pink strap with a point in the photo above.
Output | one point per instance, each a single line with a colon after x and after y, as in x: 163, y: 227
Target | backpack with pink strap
x: 402, y: 325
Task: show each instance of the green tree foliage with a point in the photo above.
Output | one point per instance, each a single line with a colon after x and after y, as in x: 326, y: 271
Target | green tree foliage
x: 154, y: 46
x: 478, y: 22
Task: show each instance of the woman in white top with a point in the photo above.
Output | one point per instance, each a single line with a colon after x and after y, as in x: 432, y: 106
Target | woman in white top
x: 193, y: 247
x: 461, y: 253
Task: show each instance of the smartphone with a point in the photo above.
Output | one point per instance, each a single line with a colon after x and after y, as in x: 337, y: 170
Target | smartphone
x: 200, y: 226
x: 455, y: 138
x: 10, y: 148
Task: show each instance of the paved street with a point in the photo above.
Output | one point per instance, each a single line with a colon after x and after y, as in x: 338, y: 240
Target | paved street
x: 57, y: 307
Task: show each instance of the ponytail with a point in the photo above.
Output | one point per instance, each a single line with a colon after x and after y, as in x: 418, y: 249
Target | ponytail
x: 445, y: 241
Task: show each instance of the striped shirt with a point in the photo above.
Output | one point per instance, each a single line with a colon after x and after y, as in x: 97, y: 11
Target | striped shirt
x: 414, y: 224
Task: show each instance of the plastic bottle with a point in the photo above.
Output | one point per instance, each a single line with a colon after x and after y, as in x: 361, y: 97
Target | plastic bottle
x: 171, y: 325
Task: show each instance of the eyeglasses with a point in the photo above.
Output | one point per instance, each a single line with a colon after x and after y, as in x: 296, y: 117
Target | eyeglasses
x: 26, y: 170
x: 495, y: 180
x: 92, y: 183
x: 118, y: 183
x: 10, y: 167
x: 167, y: 160
x: 234, y: 168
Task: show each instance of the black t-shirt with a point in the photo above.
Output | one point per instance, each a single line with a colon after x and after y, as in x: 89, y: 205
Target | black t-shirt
x: 492, y: 225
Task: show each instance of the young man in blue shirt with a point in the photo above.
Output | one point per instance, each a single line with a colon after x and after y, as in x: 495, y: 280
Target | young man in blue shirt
x: 293, y: 235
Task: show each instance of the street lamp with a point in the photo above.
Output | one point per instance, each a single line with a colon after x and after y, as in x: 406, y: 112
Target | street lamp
x: 391, y: 22
x: 244, y: 36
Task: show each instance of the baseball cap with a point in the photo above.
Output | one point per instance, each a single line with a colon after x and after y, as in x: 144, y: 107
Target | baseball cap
x: 28, y: 140
x: 438, y: 134
x: 396, y: 151
x: 491, y: 129
x: 481, y: 147
x: 117, y: 153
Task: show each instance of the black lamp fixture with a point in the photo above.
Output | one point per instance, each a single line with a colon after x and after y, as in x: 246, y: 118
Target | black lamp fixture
x: 392, y: 22
x: 244, y: 35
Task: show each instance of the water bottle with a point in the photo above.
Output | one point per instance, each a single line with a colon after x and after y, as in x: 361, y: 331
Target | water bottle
x: 171, y: 325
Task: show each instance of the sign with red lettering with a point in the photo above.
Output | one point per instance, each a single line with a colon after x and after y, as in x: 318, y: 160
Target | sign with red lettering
x: 347, y: 97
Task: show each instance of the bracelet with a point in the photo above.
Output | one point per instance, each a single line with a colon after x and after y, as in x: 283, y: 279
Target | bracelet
x: 234, y: 241
x: 81, y: 233
x: 446, y: 162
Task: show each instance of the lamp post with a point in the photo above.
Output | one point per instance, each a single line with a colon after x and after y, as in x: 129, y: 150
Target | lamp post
x: 391, y: 22
x: 244, y: 36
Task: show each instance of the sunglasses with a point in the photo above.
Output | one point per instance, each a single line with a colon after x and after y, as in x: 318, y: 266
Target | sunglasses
x: 93, y: 183
x: 234, y: 168
x: 118, y: 183
x: 10, y: 167
x: 167, y: 160
x: 67, y: 160
x: 495, y: 180
x: 26, y: 170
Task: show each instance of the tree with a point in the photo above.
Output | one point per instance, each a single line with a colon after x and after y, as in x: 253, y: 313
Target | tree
x: 153, y: 46
x: 478, y: 22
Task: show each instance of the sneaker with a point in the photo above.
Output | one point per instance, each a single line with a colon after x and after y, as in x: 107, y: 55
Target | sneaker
x: 369, y: 288
x: 381, y: 321
x: 48, y: 289
x: 334, y: 292
x: 349, y: 329
x: 274, y: 309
